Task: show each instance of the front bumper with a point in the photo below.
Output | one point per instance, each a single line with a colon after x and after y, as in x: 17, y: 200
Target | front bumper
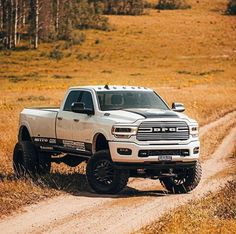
x: 135, y: 148
x: 155, y: 165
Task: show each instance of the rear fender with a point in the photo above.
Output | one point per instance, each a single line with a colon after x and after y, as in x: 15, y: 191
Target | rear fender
x: 24, y: 124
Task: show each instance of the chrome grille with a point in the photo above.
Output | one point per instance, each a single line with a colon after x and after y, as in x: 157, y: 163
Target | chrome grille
x: 163, y: 131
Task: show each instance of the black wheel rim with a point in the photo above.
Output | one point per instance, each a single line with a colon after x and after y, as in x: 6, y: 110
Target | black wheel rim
x: 180, y: 179
x: 104, y: 172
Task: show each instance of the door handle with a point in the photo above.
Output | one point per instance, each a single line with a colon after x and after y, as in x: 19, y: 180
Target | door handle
x: 59, y: 118
x: 76, y: 120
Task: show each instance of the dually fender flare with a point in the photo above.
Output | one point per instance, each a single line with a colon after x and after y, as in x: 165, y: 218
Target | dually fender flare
x: 24, y: 124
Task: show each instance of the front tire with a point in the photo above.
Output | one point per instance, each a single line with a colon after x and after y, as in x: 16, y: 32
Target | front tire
x: 103, y: 177
x: 185, y: 181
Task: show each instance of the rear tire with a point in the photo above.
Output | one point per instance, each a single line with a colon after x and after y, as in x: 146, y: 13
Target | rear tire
x: 25, y: 159
x: 44, y: 160
x: 103, y: 177
x: 184, y: 182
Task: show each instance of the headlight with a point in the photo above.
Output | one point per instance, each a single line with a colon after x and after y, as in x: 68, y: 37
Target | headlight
x: 123, y: 131
x: 194, y: 130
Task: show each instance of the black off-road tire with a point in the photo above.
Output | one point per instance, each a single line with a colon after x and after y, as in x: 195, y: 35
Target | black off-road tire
x: 25, y: 159
x: 102, y: 176
x: 44, y: 160
x: 184, y: 183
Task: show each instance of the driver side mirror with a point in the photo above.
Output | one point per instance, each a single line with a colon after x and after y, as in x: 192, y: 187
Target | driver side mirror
x: 79, y: 107
x: 178, y: 107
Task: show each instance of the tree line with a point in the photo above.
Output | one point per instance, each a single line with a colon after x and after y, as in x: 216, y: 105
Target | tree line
x: 47, y: 20
x: 43, y: 20
x: 18, y: 17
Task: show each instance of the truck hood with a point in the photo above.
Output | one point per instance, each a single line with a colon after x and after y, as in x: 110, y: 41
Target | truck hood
x: 132, y: 115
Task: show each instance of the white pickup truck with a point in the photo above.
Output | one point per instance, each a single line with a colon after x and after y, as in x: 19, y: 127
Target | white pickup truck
x: 120, y: 131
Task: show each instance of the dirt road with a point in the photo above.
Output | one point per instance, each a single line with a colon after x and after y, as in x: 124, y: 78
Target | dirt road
x: 141, y: 203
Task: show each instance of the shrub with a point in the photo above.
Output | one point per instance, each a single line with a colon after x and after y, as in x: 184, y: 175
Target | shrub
x: 172, y: 4
x: 231, y: 7
x: 123, y: 7
x: 87, y: 56
x: 37, y: 98
x: 150, y: 5
x: 74, y: 38
x: 97, y: 41
x: 43, y: 54
x: 90, y: 17
x: 94, y: 22
x: 61, y: 76
x: 56, y: 54
x: 33, y: 76
x: 16, y: 79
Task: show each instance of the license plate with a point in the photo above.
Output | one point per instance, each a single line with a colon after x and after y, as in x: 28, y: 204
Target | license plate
x: 165, y: 158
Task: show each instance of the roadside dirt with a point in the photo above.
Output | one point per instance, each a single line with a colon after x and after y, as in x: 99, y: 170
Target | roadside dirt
x: 141, y: 203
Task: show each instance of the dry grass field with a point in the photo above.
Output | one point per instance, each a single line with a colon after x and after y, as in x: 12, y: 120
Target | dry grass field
x: 216, y: 213
x: 187, y: 56
x: 212, y: 214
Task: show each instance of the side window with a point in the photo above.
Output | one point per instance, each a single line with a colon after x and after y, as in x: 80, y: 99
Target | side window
x: 87, y: 99
x: 74, y: 96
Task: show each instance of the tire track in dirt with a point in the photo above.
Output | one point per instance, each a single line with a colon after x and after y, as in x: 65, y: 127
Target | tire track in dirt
x: 124, y: 213
x: 213, y: 124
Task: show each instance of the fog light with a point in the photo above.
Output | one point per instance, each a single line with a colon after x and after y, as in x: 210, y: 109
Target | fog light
x: 184, y: 152
x: 124, y: 151
x: 196, y: 150
x: 143, y: 153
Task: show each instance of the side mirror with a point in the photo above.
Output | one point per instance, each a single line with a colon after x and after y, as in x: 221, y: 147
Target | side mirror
x: 178, y: 107
x: 79, y: 107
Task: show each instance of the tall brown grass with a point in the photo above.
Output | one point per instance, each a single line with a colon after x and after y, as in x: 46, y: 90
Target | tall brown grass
x: 215, y: 213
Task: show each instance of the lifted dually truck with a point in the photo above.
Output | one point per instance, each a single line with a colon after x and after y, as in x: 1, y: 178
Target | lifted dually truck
x: 120, y: 131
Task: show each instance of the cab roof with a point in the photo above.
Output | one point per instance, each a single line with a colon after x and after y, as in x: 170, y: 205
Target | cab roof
x: 112, y: 88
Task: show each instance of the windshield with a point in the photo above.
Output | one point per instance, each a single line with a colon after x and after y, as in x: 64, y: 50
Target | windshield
x: 116, y: 100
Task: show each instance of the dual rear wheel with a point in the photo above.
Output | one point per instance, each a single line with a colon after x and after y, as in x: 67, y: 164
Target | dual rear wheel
x: 101, y: 174
x: 27, y: 161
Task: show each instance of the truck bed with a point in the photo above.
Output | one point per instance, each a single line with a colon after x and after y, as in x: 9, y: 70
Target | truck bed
x: 41, y: 121
x: 43, y: 108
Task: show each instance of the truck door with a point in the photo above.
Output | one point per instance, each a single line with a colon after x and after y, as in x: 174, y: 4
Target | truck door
x: 65, y: 117
x: 73, y: 128
x: 85, y: 124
